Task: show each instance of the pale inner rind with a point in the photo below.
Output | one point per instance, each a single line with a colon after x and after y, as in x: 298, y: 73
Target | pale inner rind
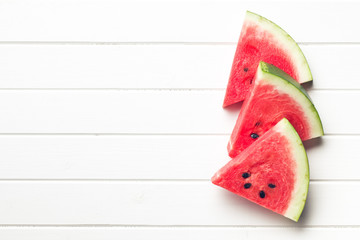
x: 308, y: 107
x: 286, y: 42
x: 301, y: 185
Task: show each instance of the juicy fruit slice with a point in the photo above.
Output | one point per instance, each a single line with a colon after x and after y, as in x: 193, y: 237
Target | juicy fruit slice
x: 274, y: 95
x: 273, y: 172
x: 263, y: 40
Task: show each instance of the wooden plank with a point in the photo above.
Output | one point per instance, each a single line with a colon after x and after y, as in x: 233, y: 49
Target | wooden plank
x: 154, y: 66
x: 165, y: 21
x: 148, y: 112
x: 333, y: 66
x: 165, y: 203
x: 152, y: 157
x: 115, y: 66
x: 165, y: 233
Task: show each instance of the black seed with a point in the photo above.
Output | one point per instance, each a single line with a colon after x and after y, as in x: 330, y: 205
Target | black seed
x: 257, y: 124
x: 254, y: 135
x: 262, y: 194
x: 251, y: 80
x: 245, y: 175
x: 271, y: 185
x: 247, y: 185
x: 246, y: 69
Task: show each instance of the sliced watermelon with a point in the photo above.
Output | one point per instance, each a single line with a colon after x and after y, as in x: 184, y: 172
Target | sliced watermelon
x: 273, y: 172
x: 274, y: 95
x: 261, y: 39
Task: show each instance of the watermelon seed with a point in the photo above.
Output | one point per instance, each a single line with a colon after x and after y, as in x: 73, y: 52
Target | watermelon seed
x: 271, y: 185
x: 254, y: 135
x: 246, y: 69
x: 251, y: 80
x: 262, y: 194
x: 247, y: 185
x: 245, y: 175
x: 257, y: 124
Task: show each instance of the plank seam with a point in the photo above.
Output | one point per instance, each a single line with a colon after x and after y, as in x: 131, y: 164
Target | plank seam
x: 151, y: 134
x: 168, y: 226
x: 165, y: 89
x: 152, y: 43
x: 202, y: 180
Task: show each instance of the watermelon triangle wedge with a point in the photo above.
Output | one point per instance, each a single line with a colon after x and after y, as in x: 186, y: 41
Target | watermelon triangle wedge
x: 273, y: 172
x: 263, y: 40
x: 274, y: 95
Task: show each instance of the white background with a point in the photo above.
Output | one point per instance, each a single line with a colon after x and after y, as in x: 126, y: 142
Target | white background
x: 111, y: 122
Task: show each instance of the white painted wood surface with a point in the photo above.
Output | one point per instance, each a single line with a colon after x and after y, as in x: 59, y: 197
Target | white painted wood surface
x: 111, y: 121
x: 148, y: 111
x: 184, y: 203
x: 172, y: 21
x: 154, y: 66
x: 139, y: 157
x: 177, y: 233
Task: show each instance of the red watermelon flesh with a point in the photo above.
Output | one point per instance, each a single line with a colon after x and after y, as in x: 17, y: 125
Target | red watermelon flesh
x: 262, y: 40
x: 274, y: 95
x: 273, y: 172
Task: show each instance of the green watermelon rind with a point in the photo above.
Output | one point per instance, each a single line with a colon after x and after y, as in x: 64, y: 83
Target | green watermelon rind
x: 287, y: 42
x: 297, y: 159
x: 285, y: 83
x: 269, y: 68
x: 302, y: 176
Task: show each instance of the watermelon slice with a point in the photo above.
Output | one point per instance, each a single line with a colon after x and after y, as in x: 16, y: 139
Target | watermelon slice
x: 273, y: 172
x: 274, y: 95
x: 261, y: 39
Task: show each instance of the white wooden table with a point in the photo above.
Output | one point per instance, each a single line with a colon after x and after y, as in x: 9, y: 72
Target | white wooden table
x: 111, y: 120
